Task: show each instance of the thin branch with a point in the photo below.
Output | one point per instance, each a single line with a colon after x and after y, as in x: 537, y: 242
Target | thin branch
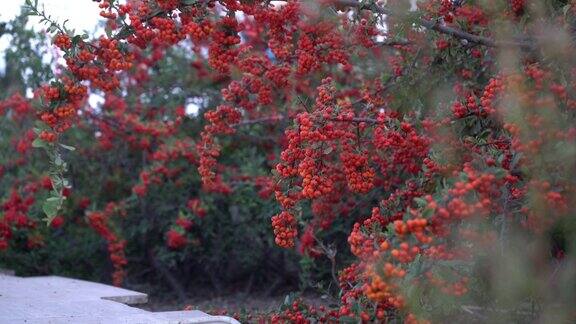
x: 262, y: 120
x: 331, y: 255
x: 396, y: 42
x: 170, y: 278
x: 433, y: 25
x: 303, y: 103
x: 274, y: 119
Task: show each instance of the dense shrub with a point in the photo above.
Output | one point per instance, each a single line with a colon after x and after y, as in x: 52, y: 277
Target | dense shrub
x: 418, y: 162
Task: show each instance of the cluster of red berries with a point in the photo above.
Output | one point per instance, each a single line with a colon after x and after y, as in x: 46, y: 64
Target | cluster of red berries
x: 285, y: 229
x: 518, y: 6
x: 63, y: 41
x: 359, y: 175
x: 99, y: 221
x: 47, y: 136
x: 15, y: 213
x: 495, y: 86
x: 195, y: 207
x: 175, y: 239
x: 223, y: 50
x: 352, y: 139
x: 455, y: 288
x: 220, y: 121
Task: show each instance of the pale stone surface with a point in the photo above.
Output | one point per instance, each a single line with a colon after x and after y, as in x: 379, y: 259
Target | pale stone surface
x: 58, y: 300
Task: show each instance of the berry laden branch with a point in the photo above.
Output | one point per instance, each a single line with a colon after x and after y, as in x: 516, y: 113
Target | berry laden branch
x: 437, y: 26
x: 275, y: 119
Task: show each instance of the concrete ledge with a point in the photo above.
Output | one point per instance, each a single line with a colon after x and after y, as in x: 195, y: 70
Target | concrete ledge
x: 60, y: 300
x: 64, y: 289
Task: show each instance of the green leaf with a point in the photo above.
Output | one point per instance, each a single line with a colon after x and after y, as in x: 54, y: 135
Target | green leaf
x: 38, y: 143
x: 40, y: 126
x: 500, y: 173
x: 421, y: 202
x: 51, y: 207
x: 68, y: 147
x: 124, y: 32
x: 58, y: 161
x: 427, y: 213
x: 76, y: 40
x: 57, y: 182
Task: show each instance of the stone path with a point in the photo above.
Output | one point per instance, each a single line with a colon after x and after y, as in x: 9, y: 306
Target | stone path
x: 57, y: 300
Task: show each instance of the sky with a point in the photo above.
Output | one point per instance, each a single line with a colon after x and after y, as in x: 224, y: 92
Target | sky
x: 82, y: 14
